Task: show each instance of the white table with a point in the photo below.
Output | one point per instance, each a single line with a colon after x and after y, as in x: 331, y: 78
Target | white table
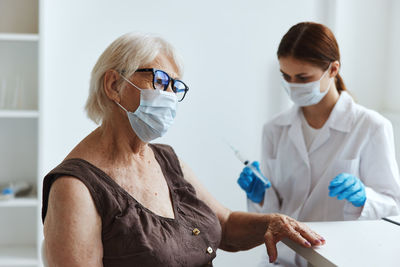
x: 353, y: 243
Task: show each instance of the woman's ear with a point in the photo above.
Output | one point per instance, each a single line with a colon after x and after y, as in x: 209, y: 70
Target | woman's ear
x: 335, y: 67
x: 110, y: 85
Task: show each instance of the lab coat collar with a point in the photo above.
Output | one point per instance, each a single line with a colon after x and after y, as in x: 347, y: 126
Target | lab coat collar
x: 341, y: 117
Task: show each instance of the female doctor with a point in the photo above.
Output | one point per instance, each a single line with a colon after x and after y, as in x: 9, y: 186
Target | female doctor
x: 327, y: 158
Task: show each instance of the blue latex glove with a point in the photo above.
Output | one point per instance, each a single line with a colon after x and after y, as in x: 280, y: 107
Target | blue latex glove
x: 251, y: 184
x: 347, y: 186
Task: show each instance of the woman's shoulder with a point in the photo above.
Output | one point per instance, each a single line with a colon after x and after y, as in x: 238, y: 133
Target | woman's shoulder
x: 280, y: 119
x: 86, y: 149
x: 72, y: 166
x: 369, y: 117
x: 90, y: 149
x: 69, y: 189
x: 82, y: 177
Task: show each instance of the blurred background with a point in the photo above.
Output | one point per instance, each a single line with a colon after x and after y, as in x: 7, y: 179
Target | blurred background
x: 48, y: 48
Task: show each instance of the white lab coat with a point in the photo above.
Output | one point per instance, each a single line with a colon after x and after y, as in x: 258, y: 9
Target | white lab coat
x: 354, y: 140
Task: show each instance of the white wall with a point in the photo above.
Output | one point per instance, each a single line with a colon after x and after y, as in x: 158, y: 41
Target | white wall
x: 368, y: 32
x: 229, y: 49
x: 392, y: 96
x: 362, y: 33
x: 391, y: 107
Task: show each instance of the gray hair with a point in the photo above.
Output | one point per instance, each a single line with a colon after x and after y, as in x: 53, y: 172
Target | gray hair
x: 127, y: 53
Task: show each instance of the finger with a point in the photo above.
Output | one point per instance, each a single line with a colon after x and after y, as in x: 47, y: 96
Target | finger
x: 247, y: 171
x: 339, y: 179
x: 336, y: 182
x: 271, y: 246
x: 350, y: 181
x: 244, y: 182
x: 321, y: 238
x: 246, y: 177
x: 259, y: 190
x: 311, y: 236
x: 344, y: 186
x: 348, y: 192
x: 256, y: 164
x: 297, y: 237
x: 357, y: 186
x: 336, y: 185
x: 359, y: 199
x: 336, y: 190
x: 356, y: 196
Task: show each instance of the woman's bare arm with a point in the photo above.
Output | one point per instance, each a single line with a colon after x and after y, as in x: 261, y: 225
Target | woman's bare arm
x: 72, y: 227
x: 243, y: 230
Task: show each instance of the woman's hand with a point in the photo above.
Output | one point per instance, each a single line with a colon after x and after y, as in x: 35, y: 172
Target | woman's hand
x: 281, y: 226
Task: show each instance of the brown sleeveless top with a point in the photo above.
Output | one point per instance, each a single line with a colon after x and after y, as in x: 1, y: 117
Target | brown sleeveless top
x: 132, y: 235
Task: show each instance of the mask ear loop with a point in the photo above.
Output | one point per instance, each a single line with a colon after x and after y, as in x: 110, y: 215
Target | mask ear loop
x: 116, y: 101
x: 131, y: 83
x: 330, y: 82
x: 323, y: 75
x: 120, y: 106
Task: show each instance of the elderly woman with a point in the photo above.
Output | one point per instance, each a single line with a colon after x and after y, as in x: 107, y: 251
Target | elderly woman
x: 117, y: 200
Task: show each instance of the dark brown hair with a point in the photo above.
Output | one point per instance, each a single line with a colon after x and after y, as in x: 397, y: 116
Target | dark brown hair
x: 313, y: 43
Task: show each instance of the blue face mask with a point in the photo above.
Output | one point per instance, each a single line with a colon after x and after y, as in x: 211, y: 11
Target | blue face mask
x: 155, y: 114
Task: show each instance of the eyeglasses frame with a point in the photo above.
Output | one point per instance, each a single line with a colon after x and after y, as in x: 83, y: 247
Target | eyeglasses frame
x: 171, y: 80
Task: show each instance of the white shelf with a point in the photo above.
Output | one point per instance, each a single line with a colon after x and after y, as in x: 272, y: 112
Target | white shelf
x: 18, y: 256
x: 20, y: 225
x: 19, y: 202
x: 28, y: 37
x: 19, y: 114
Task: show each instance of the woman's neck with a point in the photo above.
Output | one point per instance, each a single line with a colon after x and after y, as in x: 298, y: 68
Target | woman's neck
x: 118, y: 135
x: 317, y: 115
x: 113, y: 143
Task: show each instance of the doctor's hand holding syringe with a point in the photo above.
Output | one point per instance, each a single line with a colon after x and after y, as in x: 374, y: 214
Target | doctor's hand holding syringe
x: 251, y: 180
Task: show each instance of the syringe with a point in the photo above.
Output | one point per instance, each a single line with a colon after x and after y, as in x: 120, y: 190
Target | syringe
x: 247, y: 163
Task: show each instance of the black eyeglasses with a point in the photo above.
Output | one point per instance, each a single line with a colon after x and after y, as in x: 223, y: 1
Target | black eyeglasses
x: 161, y: 80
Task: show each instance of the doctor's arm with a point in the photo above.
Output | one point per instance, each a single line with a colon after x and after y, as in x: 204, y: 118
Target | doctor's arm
x: 379, y: 172
x: 243, y: 230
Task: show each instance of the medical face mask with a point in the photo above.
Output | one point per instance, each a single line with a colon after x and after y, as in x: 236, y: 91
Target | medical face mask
x: 306, y: 94
x: 155, y: 114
